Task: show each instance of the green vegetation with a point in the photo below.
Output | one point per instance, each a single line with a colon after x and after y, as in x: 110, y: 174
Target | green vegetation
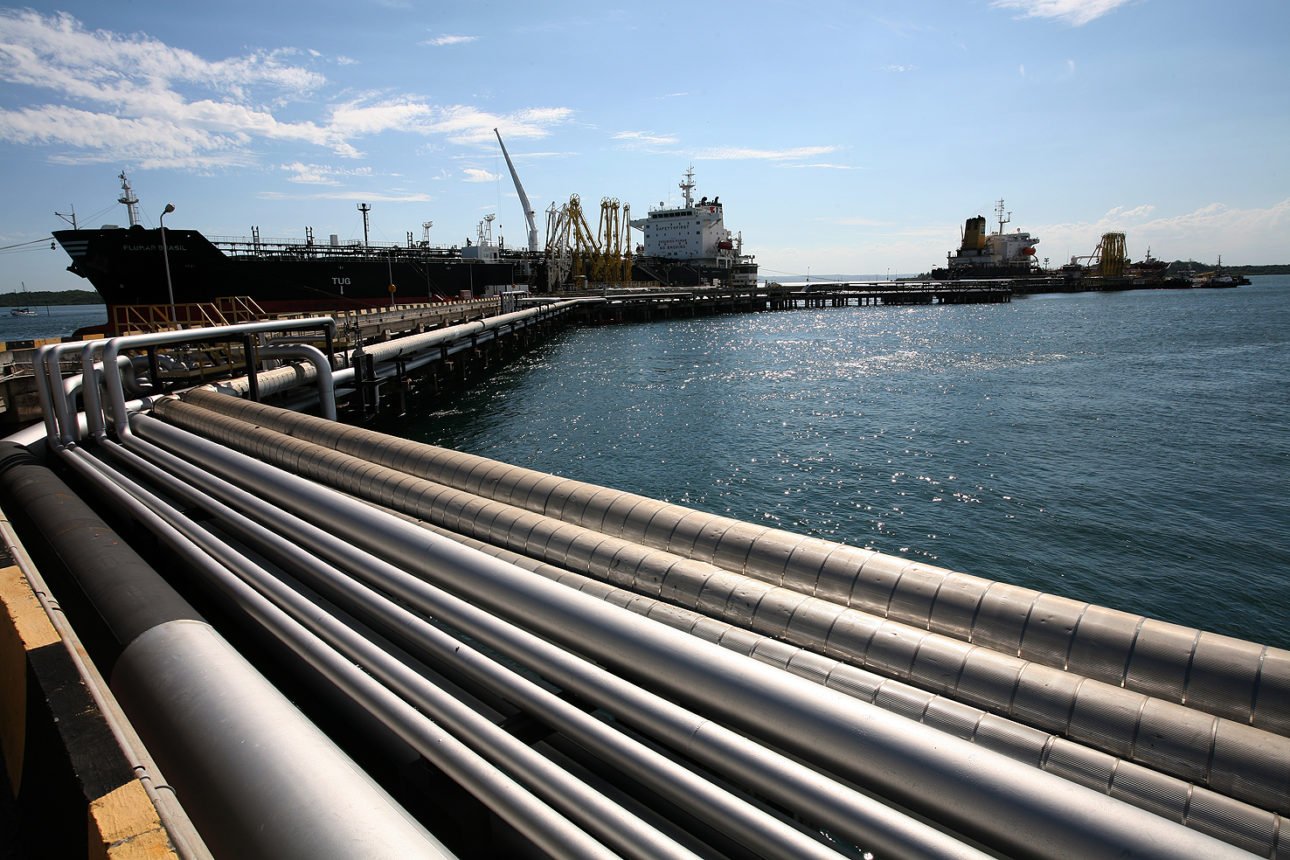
x: 1184, y: 265
x: 1283, y: 269
x: 40, y: 298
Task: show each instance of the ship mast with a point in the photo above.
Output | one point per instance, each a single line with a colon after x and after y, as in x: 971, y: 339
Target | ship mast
x: 998, y: 211
x: 687, y: 186
x: 131, y: 202
x: 524, y: 198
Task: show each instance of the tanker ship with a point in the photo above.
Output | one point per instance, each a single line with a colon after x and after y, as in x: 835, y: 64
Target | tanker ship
x: 134, y: 265
x: 993, y: 255
x: 689, y: 245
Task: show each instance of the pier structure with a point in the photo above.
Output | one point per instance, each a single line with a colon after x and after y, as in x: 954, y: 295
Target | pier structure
x: 237, y: 629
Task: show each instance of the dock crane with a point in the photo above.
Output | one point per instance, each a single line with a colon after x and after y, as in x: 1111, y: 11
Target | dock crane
x: 524, y: 198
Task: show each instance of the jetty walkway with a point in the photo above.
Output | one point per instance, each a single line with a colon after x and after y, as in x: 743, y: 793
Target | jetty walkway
x: 235, y: 626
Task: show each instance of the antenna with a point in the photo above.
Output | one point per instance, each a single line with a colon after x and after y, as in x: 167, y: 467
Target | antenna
x: 998, y: 210
x: 131, y: 202
x: 70, y: 218
x: 687, y: 186
x: 364, y: 208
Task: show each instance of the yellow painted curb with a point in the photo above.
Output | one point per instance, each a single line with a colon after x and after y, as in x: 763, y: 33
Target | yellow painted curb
x: 124, y: 826
x: 24, y: 627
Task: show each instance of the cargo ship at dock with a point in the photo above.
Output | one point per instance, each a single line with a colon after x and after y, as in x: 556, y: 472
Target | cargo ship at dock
x: 134, y: 265
x: 991, y: 255
x: 689, y: 245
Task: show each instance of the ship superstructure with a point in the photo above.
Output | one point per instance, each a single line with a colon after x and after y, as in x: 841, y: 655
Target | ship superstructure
x: 689, y: 244
x: 991, y: 255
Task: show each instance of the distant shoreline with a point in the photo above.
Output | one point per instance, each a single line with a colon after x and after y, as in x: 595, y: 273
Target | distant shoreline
x: 41, y: 298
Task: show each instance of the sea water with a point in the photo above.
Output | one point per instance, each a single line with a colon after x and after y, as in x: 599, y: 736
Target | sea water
x: 50, y: 321
x: 1130, y: 449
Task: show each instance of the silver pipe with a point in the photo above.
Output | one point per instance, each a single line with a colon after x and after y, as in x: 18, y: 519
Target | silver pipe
x: 680, y: 785
x: 44, y: 394
x: 275, y: 381
x: 611, y: 823
x: 843, y: 811
x: 114, y: 346
x: 532, y: 817
x: 322, y: 371
x: 1245, y: 762
x: 975, y: 790
x: 262, y: 780
x: 1239, y: 823
x: 1241, y: 681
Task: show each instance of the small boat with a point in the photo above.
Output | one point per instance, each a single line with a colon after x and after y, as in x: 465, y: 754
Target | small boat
x: 1216, y: 278
x: 22, y: 312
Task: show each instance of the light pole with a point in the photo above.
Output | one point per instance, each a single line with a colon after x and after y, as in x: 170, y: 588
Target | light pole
x: 165, y: 256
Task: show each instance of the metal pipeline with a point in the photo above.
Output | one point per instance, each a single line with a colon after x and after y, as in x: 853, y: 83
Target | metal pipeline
x: 850, y: 815
x: 1242, y: 681
x: 1259, y: 831
x: 1239, y: 760
x: 321, y: 366
x: 235, y: 748
x: 764, y: 834
x: 976, y: 791
x: 116, y: 345
x: 408, y: 348
x: 532, y: 817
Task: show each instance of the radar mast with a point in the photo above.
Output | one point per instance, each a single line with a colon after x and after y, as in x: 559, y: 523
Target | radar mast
x: 131, y: 202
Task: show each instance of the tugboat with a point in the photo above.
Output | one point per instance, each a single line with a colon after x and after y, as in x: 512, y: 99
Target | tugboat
x: 1215, y: 278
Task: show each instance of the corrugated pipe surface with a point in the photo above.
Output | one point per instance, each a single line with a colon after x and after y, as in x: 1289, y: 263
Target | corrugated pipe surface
x: 1215, y: 773
x: 1240, y: 681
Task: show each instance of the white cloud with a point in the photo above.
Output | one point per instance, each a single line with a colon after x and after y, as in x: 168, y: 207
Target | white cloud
x: 740, y: 153
x: 646, y: 138
x: 353, y: 118
x: 440, y: 41
x: 321, y: 174
x: 1077, y: 13
x: 1240, y: 235
x: 360, y: 196
x: 136, y: 100
x: 467, y: 124
x: 900, y: 69
x: 476, y: 174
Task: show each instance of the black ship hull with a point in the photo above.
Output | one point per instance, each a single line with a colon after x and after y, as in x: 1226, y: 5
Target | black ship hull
x: 128, y: 267
x: 678, y: 273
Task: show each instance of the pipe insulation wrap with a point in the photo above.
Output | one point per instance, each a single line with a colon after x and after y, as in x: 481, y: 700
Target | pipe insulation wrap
x: 1242, y: 681
x: 848, y: 815
x: 1250, y: 764
x: 975, y: 790
x: 1256, y: 830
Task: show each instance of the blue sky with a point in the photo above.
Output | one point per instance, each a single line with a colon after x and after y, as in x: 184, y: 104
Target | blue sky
x: 843, y: 137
